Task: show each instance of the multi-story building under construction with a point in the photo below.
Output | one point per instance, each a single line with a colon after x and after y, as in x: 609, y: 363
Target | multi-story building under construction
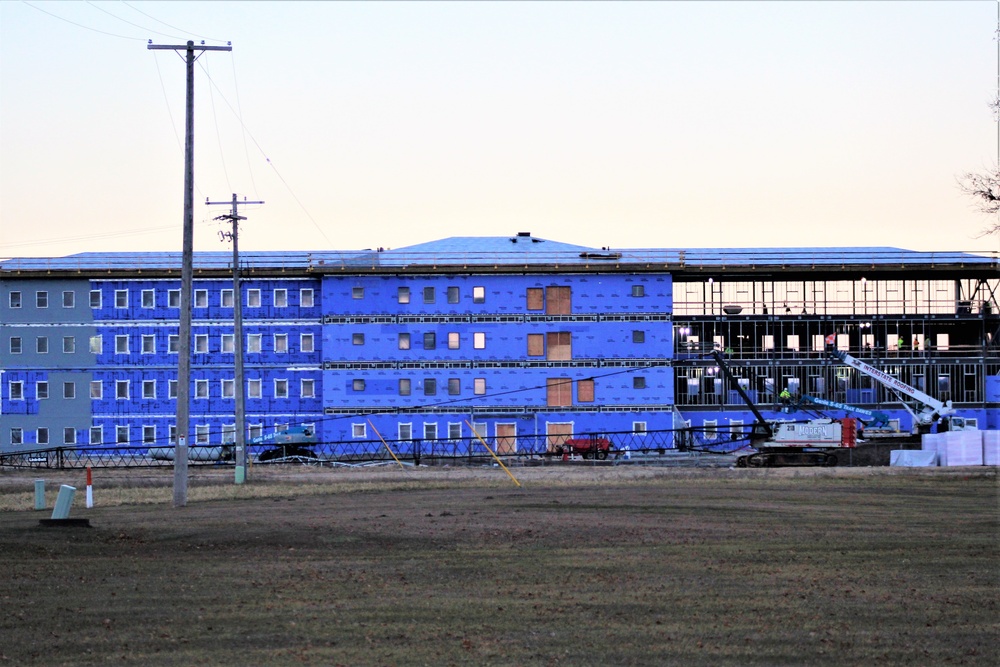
x: 525, y: 341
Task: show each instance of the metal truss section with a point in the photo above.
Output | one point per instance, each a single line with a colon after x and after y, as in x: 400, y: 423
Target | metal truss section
x: 562, y: 318
x: 432, y: 319
x: 645, y: 317
x: 499, y: 364
x: 569, y: 363
x: 358, y: 411
x: 359, y: 319
x: 498, y: 410
x: 634, y: 363
x: 489, y: 318
x: 476, y: 363
x: 496, y: 318
x: 427, y: 365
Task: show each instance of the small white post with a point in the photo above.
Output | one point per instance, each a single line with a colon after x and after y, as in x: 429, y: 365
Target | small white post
x: 39, y: 494
x: 63, y: 502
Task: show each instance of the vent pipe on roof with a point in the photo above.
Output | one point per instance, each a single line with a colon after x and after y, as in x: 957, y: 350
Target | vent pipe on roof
x: 524, y: 235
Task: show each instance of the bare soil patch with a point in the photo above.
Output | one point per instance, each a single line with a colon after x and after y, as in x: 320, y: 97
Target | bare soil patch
x: 578, y: 566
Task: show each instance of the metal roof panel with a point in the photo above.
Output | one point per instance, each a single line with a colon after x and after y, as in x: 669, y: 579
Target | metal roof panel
x: 521, y: 249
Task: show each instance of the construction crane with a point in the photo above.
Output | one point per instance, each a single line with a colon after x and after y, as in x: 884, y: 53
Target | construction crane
x: 812, y: 443
x: 929, y: 409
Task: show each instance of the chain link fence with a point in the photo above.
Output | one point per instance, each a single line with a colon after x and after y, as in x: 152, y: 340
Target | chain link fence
x: 616, y: 447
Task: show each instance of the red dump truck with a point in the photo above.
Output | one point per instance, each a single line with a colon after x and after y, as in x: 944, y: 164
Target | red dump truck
x: 588, y: 448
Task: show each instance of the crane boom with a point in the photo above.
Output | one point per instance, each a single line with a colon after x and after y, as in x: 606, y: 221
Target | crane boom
x: 875, y: 418
x: 761, y: 428
x: 932, y: 407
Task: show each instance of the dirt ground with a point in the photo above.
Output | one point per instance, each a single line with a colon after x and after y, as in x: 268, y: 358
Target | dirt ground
x: 579, y: 565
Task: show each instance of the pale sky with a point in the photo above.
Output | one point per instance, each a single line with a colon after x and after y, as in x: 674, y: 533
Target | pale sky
x: 627, y: 125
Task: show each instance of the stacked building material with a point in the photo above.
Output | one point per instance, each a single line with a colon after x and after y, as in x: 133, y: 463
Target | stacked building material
x: 991, y: 448
x: 913, y: 458
x: 955, y: 448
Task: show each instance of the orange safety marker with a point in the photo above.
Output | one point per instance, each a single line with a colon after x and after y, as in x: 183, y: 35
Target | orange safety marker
x: 492, y: 454
x: 90, y: 488
x: 391, y: 453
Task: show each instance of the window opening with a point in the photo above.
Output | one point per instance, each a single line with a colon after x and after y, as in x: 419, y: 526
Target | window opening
x: 535, y: 298
x: 307, y: 388
x: 558, y: 301
x: 559, y: 346
x: 536, y: 345
x: 559, y: 392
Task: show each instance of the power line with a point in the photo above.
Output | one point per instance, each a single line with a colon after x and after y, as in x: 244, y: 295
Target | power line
x: 417, y: 409
x: 80, y: 25
x: 166, y: 102
x: 266, y: 158
x: 238, y: 114
x: 94, y: 237
x: 136, y: 9
x: 218, y: 135
x: 239, y: 106
x: 170, y: 115
x: 298, y: 201
x: 127, y: 22
x: 463, y: 402
x: 134, y: 25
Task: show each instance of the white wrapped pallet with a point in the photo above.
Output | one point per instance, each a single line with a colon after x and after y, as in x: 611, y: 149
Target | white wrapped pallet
x: 929, y: 441
x: 913, y: 458
x: 991, y: 448
x: 961, y: 448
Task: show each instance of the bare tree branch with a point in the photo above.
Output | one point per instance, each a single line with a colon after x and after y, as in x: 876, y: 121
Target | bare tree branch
x: 984, y: 189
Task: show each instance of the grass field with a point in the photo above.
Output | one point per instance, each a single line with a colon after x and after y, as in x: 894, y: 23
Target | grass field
x: 432, y: 566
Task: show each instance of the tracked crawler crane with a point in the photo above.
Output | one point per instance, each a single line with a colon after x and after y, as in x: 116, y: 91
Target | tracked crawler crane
x: 812, y: 443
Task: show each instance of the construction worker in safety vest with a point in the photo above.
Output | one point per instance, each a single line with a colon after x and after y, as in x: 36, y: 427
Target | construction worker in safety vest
x: 785, y: 396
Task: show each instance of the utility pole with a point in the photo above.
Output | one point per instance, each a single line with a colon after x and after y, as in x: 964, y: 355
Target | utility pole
x: 235, y: 217
x: 187, y: 275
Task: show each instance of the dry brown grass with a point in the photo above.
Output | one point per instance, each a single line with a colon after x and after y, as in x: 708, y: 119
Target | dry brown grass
x: 449, y: 566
